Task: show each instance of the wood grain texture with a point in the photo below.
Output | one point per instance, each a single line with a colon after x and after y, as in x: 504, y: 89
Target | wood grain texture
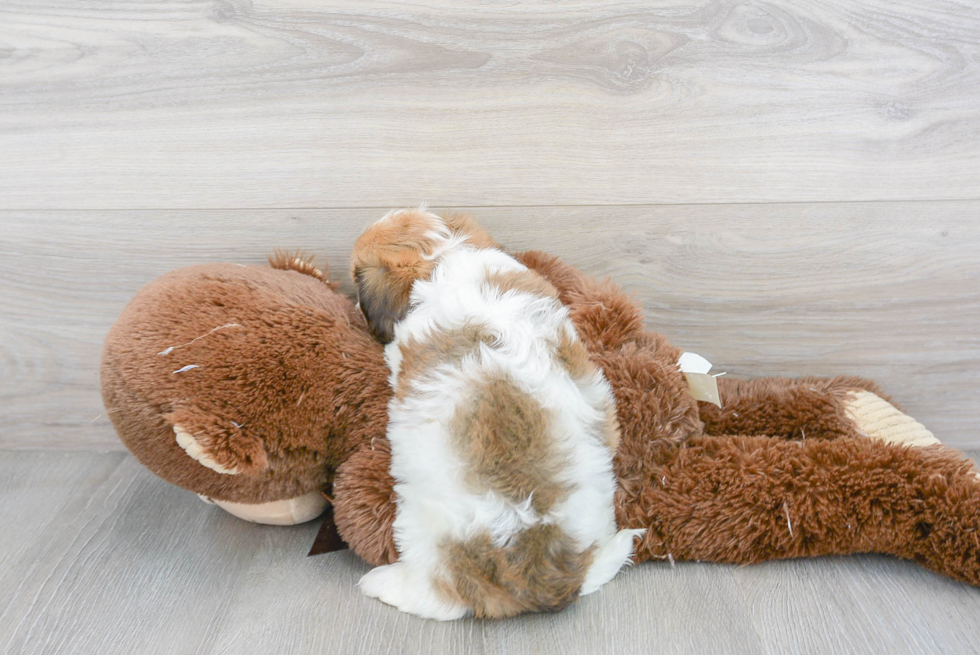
x: 890, y: 291
x: 862, y: 605
x: 296, y: 103
x: 98, y: 556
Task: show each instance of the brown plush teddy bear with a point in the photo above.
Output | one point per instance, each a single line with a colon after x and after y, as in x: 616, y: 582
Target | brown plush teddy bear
x: 259, y: 387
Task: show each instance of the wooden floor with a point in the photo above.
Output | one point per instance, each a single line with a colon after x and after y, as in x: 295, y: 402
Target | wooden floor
x: 790, y: 187
x: 98, y: 556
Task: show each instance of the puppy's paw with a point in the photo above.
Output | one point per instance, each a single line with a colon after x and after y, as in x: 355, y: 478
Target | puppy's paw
x: 394, y: 585
x: 383, y: 583
x: 609, y: 559
x: 876, y: 418
x: 196, y: 451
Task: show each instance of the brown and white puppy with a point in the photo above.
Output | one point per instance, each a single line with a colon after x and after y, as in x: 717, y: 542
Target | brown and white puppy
x: 502, y: 431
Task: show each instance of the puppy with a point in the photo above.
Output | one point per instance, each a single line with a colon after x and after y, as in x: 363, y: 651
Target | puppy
x: 502, y: 430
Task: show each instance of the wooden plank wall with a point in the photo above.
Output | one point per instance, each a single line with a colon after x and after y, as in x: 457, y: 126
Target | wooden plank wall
x: 790, y: 187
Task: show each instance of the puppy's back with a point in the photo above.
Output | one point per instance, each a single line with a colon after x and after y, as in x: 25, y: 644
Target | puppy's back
x: 532, y: 425
x: 502, y: 430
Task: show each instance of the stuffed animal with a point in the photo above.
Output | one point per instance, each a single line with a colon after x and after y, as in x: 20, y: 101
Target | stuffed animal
x: 259, y: 387
x: 247, y: 385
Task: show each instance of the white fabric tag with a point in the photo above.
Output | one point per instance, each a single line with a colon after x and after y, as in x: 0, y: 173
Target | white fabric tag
x: 703, y: 386
x: 693, y: 363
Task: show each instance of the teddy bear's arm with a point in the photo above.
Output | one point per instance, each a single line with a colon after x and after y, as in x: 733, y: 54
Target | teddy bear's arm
x: 743, y: 500
x: 364, y: 503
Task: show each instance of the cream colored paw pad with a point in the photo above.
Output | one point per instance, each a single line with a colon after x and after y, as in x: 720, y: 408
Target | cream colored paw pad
x: 877, y: 418
x: 290, y: 511
x: 196, y: 451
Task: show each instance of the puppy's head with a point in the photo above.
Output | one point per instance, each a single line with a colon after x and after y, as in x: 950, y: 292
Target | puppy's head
x: 401, y: 248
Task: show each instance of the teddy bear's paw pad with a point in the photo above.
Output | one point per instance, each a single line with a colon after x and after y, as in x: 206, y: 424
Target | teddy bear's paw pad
x: 196, y: 451
x: 875, y: 417
x: 291, y: 511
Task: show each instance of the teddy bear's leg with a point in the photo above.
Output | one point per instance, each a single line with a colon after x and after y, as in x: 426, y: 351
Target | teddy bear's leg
x: 877, y: 418
x: 749, y: 499
x: 653, y: 403
x: 810, y: 407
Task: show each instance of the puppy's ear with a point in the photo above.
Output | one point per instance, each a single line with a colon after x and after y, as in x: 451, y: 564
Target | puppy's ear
x: 383, y: 300
x: 388, y: 258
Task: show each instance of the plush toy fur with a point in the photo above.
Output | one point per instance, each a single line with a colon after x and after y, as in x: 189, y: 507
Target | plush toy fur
x: 296, y: 398
x: 286, y: 383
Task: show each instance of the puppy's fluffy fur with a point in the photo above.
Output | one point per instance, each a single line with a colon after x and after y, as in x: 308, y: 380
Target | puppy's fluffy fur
x: 502, y: 430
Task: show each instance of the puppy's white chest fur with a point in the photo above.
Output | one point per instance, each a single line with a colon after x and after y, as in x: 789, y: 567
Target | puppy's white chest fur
x: 502, y: 434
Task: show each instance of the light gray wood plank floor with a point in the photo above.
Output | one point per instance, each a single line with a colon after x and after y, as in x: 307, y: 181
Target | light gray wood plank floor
x: 99, y: 556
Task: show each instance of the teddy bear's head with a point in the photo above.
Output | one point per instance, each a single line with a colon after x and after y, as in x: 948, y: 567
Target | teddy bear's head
x: 247, y: 385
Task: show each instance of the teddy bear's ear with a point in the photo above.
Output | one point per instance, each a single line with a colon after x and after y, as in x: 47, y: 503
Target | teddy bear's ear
x: 225, y: 448
x: 301, y: 262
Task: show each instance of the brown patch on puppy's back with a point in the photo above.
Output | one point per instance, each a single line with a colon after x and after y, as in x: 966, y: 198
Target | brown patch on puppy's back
x: 419, y: 357
x: 501, y: 432
x: 539, y: 572
x: 522, y: 281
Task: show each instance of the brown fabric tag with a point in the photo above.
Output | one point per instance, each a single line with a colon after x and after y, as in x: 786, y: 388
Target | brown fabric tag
x: 327, y: 539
